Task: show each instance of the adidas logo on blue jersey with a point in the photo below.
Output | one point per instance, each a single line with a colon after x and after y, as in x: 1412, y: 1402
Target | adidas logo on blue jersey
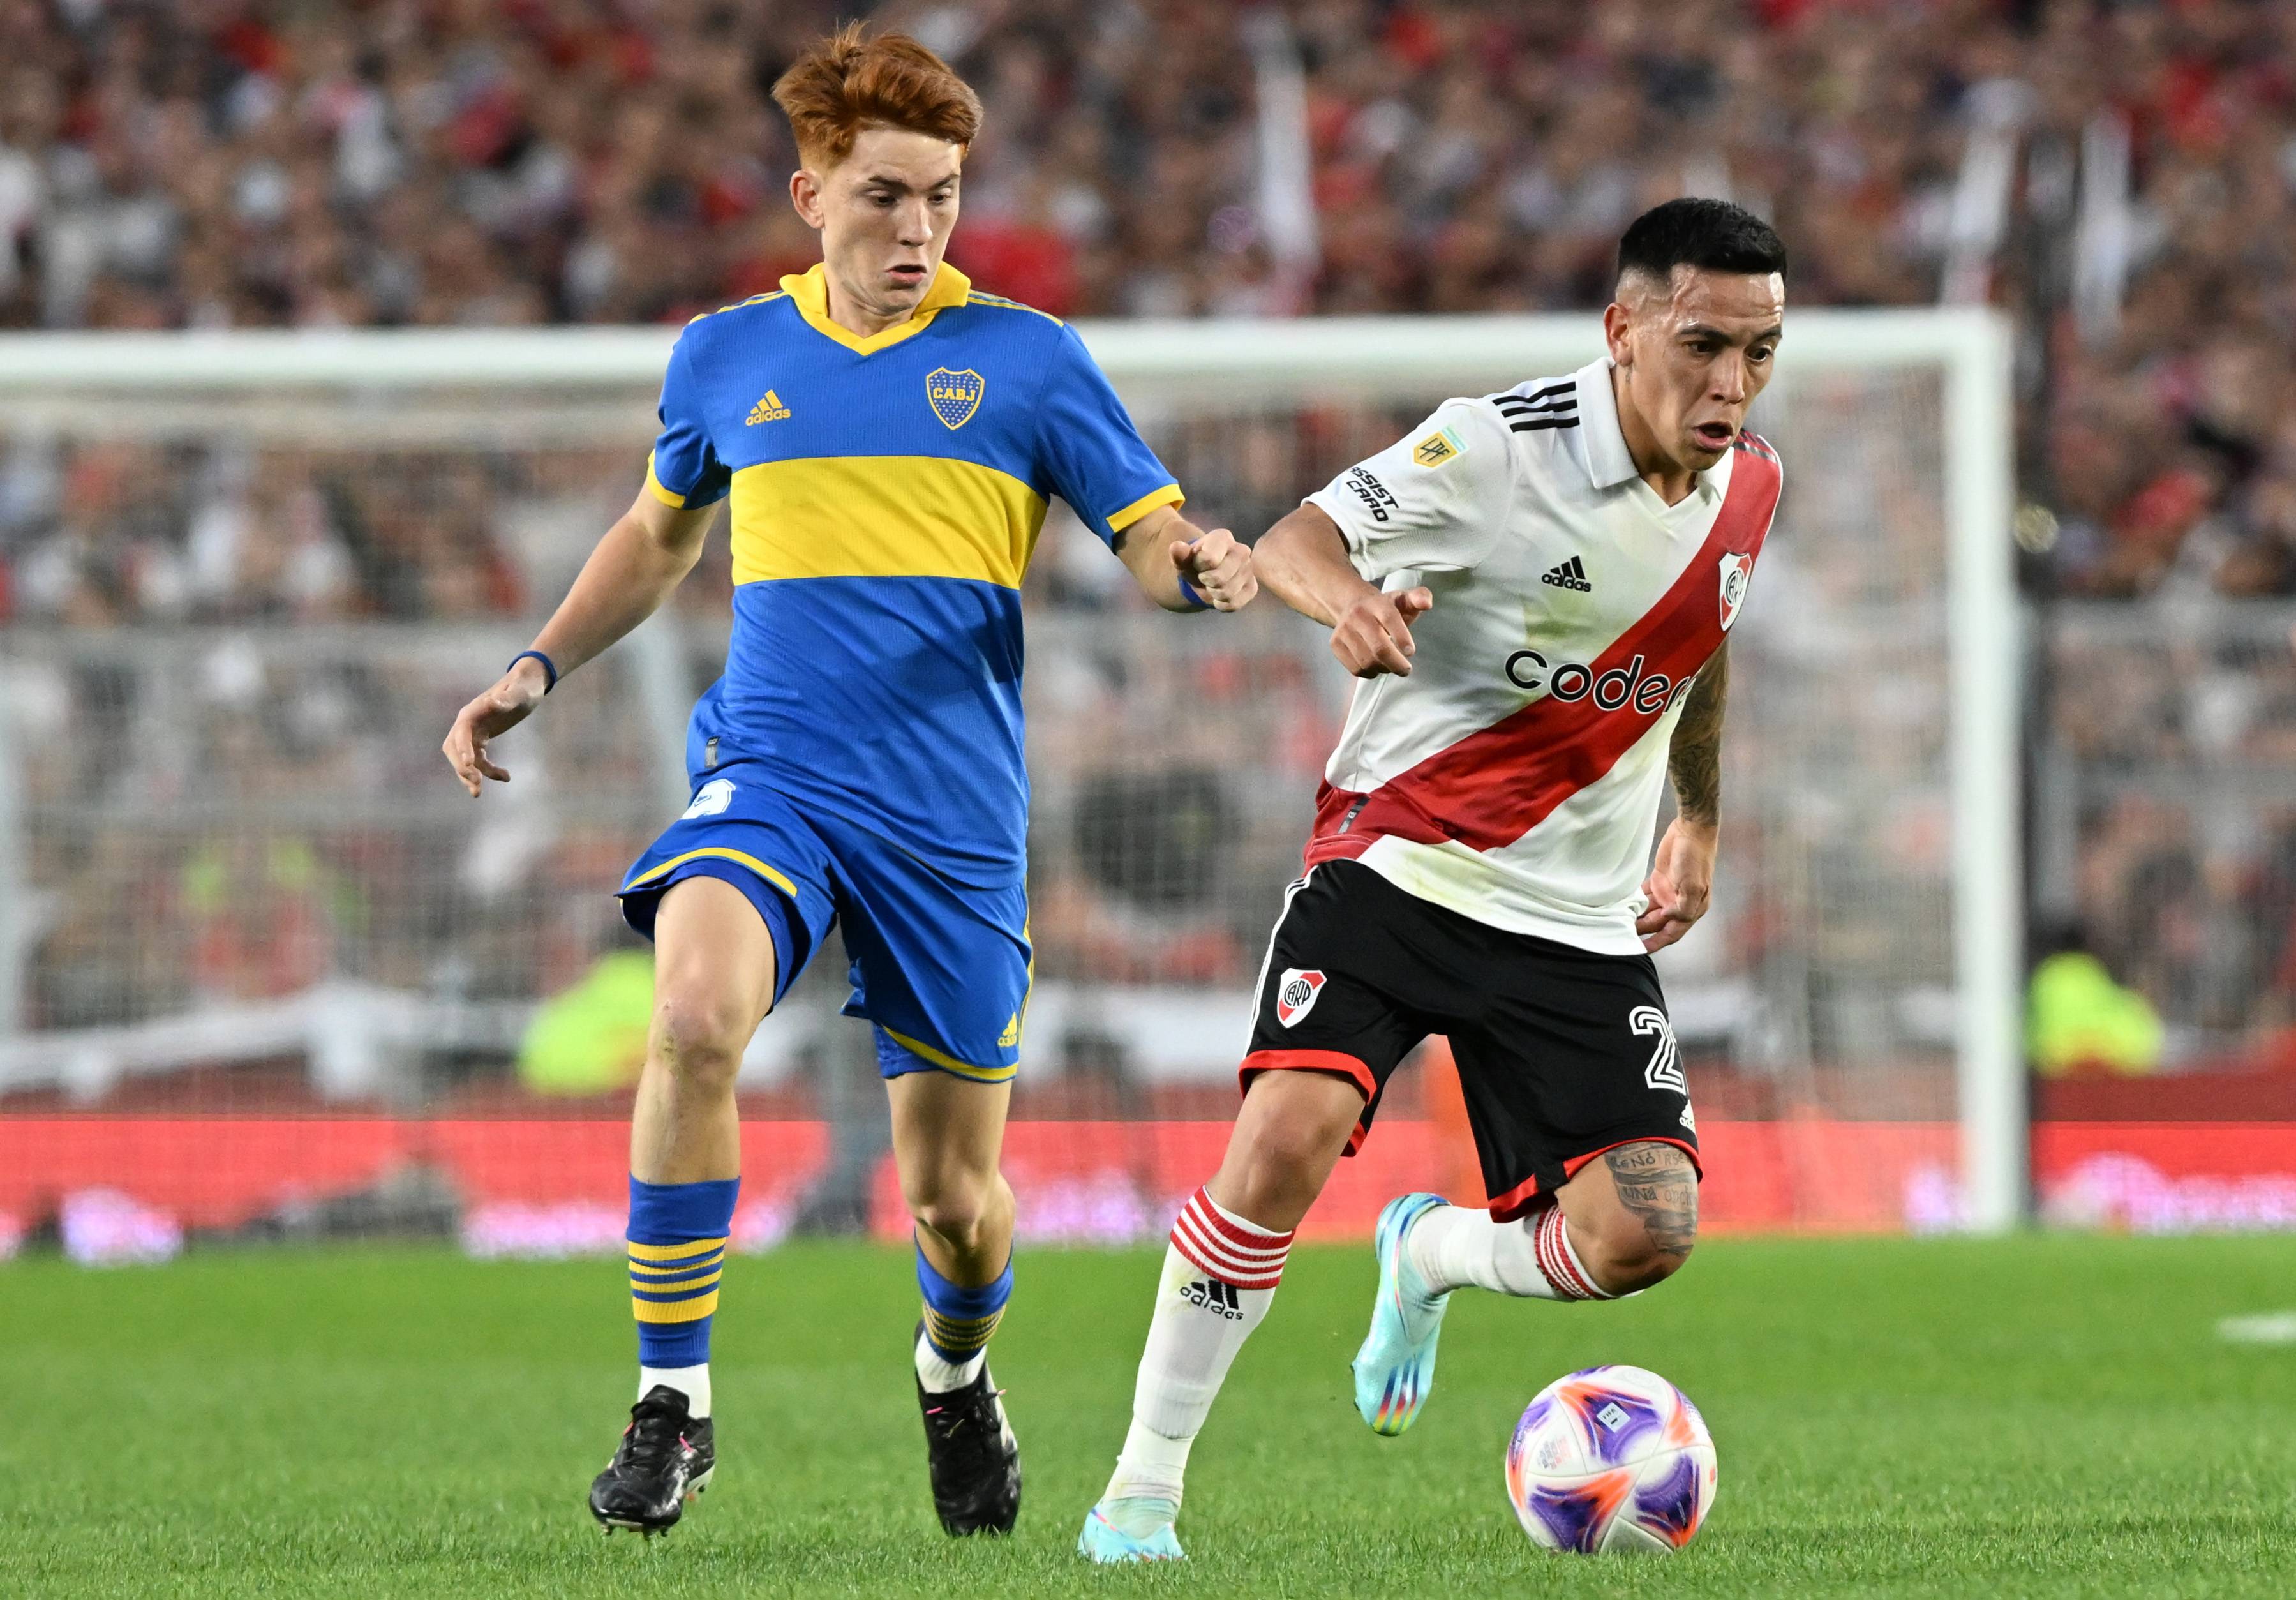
x: 768, y: 410
x: 1571, y: 575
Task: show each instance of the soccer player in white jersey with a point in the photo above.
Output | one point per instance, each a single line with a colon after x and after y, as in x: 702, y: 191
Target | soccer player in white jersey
x: 1536, y: 587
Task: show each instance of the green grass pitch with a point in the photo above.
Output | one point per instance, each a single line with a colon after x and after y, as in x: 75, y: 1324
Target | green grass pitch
x: 2040, y: 1416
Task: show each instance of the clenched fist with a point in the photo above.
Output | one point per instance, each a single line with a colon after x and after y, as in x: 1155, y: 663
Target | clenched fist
x: 1218, y: 567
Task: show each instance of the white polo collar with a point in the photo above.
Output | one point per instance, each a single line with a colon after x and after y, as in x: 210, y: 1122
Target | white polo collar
x: 1609, y: 462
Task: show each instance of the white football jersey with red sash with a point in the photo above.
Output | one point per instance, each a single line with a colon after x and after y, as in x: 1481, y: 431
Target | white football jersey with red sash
x: 1515, y: 775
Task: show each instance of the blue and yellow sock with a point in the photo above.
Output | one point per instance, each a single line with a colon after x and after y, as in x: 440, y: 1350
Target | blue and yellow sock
x: 958, y: 1323
x: 678, y: 1238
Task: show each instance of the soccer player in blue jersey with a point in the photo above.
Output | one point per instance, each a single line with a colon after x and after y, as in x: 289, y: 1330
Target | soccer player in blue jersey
x: 889, y: 438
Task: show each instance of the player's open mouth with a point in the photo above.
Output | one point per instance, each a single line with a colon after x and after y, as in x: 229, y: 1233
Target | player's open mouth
x: 1714, y: 436
x: 907, y: 274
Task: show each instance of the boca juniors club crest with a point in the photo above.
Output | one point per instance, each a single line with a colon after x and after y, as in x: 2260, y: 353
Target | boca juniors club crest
x: 1738, y: 572
x: 955, y: 396
x: 1295, y: 994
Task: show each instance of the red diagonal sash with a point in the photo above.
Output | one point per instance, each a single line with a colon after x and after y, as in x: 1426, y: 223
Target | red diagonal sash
x: 1494, y: 786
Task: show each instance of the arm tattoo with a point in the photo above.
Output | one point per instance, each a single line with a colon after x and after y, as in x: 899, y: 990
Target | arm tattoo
x: 1656, y: 1183
x: 1695, y: 760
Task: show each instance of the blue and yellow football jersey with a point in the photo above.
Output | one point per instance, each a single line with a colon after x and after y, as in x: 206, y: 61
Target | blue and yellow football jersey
x: 888, y: 492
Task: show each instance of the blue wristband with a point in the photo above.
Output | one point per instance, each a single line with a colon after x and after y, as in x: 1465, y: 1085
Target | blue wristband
x: 1196, y: 603
x: 549, y: 668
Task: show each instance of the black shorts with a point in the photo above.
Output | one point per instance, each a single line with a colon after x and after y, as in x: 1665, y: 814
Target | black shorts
x: 1563, y: 1054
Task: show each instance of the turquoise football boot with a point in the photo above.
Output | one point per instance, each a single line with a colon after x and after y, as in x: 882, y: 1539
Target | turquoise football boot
x: 1396, y: 1366
x: 1103, y: 1542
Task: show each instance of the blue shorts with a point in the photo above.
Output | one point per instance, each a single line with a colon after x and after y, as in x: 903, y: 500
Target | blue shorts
x: 941, y: 968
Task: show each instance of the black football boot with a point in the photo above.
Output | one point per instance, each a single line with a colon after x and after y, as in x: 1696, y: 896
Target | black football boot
x: 969, y: 1454
x: 666, y: 1458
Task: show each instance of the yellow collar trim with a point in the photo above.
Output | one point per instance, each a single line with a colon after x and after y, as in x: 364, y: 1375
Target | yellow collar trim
x: 808, y: 292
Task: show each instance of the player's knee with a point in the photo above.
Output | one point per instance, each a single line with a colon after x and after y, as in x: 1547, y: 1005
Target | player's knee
x: 1276, y: 1164
x: 1286, y: 1154
x: 699, y: 1036
x: 1631, y: 1251
x: 1630, y: 1256
x: 958, y: 1211
x: 1641, y: 1231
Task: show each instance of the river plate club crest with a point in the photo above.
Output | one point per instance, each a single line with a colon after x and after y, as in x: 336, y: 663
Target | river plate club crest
x: 1738, y: 572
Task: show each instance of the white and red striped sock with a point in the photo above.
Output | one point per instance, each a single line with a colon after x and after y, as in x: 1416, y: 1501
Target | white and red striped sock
x: 1455, y: 1247
x: 1220, y: 1273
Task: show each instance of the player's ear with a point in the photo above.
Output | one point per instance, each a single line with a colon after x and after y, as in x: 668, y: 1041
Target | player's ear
x: 1617, y: 324
x: 806, y: 195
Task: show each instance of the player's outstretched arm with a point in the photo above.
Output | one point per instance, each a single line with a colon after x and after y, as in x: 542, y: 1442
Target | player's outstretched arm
x: 1164, y: 550
x: 1303, y: 561
x: 642, y: 557
x: 1682, y: 876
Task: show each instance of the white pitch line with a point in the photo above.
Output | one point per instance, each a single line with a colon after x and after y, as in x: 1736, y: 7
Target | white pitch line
x: 2273, y: 1327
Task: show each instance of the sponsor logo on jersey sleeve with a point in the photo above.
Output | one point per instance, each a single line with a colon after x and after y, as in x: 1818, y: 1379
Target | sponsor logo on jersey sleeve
x: 711, y: 799
x: 1375, y: 495
x: 1296, y: 993
x: 955, y: 396
x: 1443, y: 445
x: 1738, y: 572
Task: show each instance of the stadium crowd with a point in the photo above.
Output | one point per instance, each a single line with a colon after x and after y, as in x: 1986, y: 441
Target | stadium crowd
x: 238, y: 163
x: 259, y: 163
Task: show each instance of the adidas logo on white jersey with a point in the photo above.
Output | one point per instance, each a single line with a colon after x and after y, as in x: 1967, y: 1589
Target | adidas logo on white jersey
x: 1571, y: 575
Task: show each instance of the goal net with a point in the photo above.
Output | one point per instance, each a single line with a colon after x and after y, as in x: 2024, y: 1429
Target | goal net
x: 264, y: 967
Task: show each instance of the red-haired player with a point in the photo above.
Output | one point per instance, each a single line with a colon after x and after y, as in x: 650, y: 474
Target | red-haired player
x: 889, y: 438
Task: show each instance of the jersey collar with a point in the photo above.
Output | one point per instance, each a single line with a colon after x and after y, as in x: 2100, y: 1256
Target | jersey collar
x: 1609, y: 462
x: 808, y: 292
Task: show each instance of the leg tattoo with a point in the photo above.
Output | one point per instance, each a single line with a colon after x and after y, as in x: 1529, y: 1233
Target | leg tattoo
x: 1658, y: 1186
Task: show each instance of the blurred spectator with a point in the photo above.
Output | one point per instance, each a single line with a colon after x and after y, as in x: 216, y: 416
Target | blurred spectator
x: 591, y: 1039
x: 2076, y: 1018
x: 261, y: 917
x: 97, y: 535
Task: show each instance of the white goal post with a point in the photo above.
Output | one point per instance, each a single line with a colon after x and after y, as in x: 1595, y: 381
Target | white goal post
x: 1956, y: 364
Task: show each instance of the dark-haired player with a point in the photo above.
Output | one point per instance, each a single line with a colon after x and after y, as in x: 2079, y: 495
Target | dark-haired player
x: 889, y: 439
x: 1537, y: 586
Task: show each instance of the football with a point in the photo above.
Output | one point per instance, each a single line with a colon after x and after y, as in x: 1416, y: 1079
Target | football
x: 1614, y: 1458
